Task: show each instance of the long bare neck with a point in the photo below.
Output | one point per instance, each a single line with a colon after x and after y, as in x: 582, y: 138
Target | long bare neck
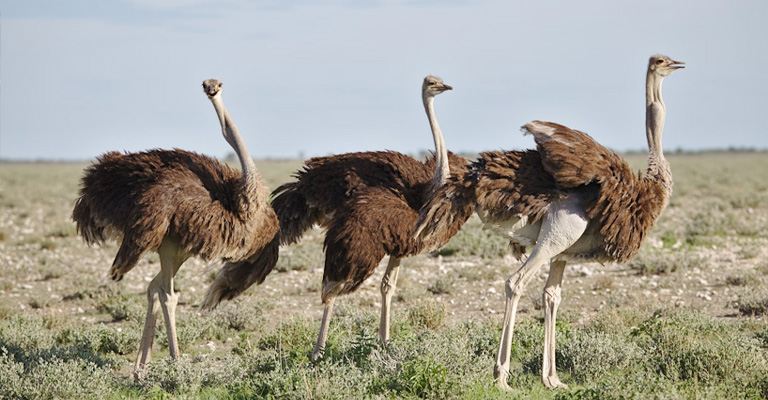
x: 655, y: 114
x: 442, y: 169
x: 232, y: 136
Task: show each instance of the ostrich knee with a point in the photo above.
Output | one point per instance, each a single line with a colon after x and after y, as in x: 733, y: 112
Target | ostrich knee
x: 514, y: 286
x: 387, y: 286
x: 169, y: 301
x: 551, y: 298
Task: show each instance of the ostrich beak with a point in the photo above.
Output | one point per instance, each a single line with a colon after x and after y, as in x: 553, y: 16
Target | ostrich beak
x: 675, y: 66
x: 446, y: 87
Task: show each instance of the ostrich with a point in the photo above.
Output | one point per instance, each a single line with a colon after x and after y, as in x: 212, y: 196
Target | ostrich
x: 179, y: 204
x: 571, y: 199
x: 369, y: 203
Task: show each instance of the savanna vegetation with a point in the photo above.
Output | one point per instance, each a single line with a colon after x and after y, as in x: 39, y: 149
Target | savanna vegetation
x: 685, y: 319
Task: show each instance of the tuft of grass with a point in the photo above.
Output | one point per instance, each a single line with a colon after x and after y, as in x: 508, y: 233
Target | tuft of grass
x: 48, y: 244
x: 240, y: 318
x: 428, y: 314
x: 740, y: 279
x: 479, y: 272
x: 669, y: 240
x: 748, y: 251
x: 6, y: 312
x: 122, y: 307
x: 191, y: 377
x: 442, y: 285
x: 591, y: 354
x: 752, y: 303
x: 762, y: 336
x: 654, y: 262
x: 603, y: 282
x: 38, y: 302
x: 762, y: 268
x: 294, y: 339
x: 67, y: 230
x: 101, y: 339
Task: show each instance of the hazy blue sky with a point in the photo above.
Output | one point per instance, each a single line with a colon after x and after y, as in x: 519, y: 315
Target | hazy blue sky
x: 318, y: 77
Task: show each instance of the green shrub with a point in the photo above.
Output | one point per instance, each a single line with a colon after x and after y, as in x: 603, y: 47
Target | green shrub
x: 590, y: 355
x: 52, y: 378
x: 24, y: 332
x: 424, y: 378
x: 239, y: 318
x: 100, y: 339
x: 294, y: 339
x: 686, y: 345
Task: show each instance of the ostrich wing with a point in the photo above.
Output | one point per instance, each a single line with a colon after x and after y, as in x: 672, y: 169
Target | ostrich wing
x: 375, y: 222
x: 625, y: 204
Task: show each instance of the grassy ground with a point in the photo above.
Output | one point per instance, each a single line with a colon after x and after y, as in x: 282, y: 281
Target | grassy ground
x: 684, y: 319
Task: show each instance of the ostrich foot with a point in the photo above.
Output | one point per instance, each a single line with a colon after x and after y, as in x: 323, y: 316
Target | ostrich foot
x: 502, y: 385
x: 500, y: 376
x: 553, y: 382
x: 317, y: 354
x: 139, y: 374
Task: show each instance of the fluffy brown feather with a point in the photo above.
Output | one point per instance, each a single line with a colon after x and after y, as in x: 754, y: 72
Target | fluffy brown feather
x: 369, y: 202
x: 194, y: 199
x: 510, y: 184
x: 625, y: 204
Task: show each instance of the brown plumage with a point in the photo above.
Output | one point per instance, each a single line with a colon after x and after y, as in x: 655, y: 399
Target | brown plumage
x: 180, y: 204
x: 623, y: 203
x: 141, y: 198
x: 571, y: 199
x: 369, y: 203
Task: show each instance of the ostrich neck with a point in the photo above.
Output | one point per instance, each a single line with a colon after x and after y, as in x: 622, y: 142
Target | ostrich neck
x: 442, y: 169
x: 655, y: 115
x: 232, y: 136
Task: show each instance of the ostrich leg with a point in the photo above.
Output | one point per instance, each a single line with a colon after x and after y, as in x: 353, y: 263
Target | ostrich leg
x: 171, y: 258
x: 514, y: 287
x: 551, y: 297
x: 322, y: 337
x: 145, y: 348
x: 388, y: 284
x: 160, y: 294
x: 564, y: 223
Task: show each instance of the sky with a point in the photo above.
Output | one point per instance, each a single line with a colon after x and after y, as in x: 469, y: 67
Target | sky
x: 312, y: 78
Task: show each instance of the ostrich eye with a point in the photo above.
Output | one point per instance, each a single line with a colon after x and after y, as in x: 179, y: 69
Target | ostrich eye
x: 220, y: 84
x: 659, y: 61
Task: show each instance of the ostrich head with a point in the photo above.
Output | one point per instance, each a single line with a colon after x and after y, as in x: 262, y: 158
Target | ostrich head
x: 211, y: 87
x: 433, y: 86
x: 663, y: 66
